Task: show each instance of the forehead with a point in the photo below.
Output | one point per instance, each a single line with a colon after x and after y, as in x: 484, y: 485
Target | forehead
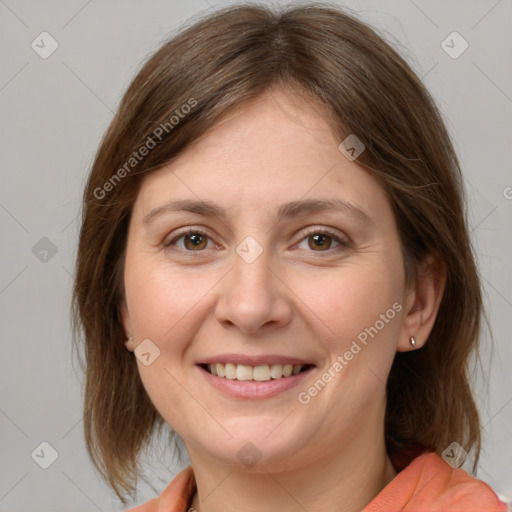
x: 277, y: 148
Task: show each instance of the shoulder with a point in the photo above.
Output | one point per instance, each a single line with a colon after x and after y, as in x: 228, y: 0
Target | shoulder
x: 430, y: 484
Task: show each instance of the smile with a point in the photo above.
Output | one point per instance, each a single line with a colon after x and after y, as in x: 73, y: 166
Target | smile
x: 259, y: 373
x: 265, y: 377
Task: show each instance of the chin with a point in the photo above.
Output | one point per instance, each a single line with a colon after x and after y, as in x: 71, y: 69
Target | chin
x: 258, y: 444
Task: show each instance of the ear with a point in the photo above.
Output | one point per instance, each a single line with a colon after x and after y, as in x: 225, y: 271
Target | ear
x: 125, y: 317
x: 422, y: 303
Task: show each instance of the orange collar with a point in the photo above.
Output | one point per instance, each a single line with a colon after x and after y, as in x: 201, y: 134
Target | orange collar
x: 428, y: 484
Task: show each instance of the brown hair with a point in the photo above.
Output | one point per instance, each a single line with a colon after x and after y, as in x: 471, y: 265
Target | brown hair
x: 214, y: 66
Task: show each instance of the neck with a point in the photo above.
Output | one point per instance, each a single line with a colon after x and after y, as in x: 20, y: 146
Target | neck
x: 345, y: 482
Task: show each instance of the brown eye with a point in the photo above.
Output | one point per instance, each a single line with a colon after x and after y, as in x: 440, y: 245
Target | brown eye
x: 190, y: 241
x: 195, y: 241
x: 320, y: 241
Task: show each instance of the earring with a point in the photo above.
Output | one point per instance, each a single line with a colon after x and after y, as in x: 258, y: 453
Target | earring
x: 413, y: 341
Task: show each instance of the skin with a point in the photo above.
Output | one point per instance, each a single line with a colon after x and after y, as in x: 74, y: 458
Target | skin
x: 296, y: 299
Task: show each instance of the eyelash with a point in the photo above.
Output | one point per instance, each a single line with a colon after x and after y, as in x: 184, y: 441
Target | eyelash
x: 344, y: 242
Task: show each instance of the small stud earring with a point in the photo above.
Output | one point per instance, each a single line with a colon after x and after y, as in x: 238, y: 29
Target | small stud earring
x: 413, y: 341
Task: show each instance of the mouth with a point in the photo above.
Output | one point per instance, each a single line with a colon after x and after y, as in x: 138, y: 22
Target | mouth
x: 257, y: 373
x: 254, y: 381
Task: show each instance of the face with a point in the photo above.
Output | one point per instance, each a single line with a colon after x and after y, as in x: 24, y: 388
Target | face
x: 256, y: 281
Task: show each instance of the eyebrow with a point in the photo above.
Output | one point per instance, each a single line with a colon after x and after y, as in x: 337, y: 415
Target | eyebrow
x: 287, y: 210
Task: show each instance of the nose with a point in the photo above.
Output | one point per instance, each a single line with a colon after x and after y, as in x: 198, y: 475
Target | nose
x: 253, y: 296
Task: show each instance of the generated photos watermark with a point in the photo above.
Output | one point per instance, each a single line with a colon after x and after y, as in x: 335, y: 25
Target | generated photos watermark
x: 304, y: 397
x: 144, y: 150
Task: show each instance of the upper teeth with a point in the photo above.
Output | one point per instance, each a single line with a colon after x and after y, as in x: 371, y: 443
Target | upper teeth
x: 260, y: 372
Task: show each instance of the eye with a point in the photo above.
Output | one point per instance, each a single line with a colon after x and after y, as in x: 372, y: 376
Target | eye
x: 321, y: 240
x: 194, y: 240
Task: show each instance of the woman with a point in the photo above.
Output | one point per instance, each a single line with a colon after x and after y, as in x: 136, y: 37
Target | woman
x: 274, y: 261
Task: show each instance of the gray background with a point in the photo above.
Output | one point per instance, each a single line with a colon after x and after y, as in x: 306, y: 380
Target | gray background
x: 53, y: 114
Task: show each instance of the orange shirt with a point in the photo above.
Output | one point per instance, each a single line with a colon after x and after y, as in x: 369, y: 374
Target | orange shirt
x: 428, y: 484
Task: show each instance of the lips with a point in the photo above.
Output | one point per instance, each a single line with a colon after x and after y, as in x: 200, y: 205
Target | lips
x: 253, y: 389
x: 245, y: 376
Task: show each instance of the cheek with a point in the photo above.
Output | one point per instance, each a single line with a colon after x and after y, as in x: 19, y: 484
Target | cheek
x: 357, y: 314
x: 160, y: 299
x: 163, y: 307
x: 349, y: 300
